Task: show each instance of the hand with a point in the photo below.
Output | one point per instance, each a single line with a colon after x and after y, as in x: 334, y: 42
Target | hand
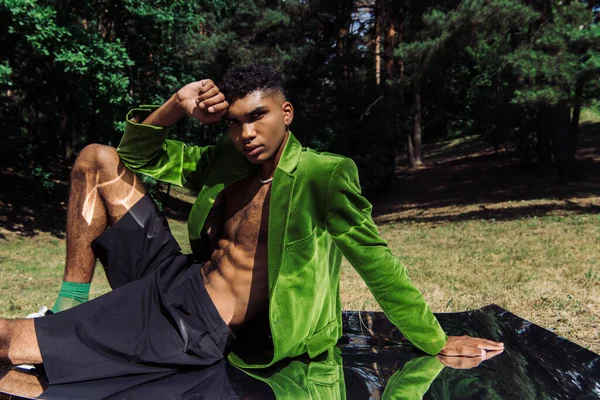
x: 203, y: 101
x: 466, y: 362
x: 465, y: 352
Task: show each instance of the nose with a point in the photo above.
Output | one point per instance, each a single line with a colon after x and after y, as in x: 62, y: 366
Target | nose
x: 248, y: 132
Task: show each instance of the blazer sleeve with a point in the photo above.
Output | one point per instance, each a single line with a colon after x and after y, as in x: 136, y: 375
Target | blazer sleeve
x: 146, y: 149
x: 349, y: 222
x: 414, y: 380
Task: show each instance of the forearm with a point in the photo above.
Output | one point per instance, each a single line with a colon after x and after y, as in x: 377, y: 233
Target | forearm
x: 166, y: 115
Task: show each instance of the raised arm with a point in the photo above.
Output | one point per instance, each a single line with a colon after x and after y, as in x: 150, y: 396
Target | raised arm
x: 145, y: 148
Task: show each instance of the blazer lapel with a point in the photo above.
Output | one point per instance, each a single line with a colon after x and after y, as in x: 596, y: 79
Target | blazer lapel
x: 279, y: 207
x: 229, y: 168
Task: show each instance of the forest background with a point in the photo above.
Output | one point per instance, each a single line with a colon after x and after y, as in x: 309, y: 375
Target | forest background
x: 381, y: 81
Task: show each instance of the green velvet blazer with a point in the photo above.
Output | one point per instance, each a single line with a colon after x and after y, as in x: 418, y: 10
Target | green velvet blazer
x: 323, y: 378
x: 317, y: 214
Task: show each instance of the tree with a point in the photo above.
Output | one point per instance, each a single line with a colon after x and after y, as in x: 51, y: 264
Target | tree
x: 553, y: 67
x: 518, y: 59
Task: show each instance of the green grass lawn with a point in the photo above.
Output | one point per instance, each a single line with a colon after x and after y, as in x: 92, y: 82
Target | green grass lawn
x: 31, y: 270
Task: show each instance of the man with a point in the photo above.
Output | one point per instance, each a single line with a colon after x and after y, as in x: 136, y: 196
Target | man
x: 268, y: 230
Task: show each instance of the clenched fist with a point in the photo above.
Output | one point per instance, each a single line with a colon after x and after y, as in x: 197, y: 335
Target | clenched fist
x: 203, y: 101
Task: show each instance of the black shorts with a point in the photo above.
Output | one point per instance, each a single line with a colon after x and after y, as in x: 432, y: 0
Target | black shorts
x: 158, y: 317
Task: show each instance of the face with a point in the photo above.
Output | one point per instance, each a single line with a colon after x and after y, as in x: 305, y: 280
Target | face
x: 258, y: 125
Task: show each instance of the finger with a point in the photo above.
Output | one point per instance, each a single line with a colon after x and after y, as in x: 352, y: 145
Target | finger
x: 219, y: 108
x: 219, y: 98
x: 207, y: 117
x: 201, y: 87
x: 460, y: 362
x: 488, y: 344
x: 463, y: 351
x: 206, y: 84
x: 492, y: 354
x: 208, y: 94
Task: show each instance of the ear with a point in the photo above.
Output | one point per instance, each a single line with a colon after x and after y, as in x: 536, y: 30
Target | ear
x: 288, y: 113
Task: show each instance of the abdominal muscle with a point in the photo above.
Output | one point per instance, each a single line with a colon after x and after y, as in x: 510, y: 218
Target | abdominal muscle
x: 236, y: 277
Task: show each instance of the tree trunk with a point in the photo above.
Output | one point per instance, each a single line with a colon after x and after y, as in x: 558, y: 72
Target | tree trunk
x: 93, y: 126
x: 562, y: 143
x: 417, y: 121
x: 387, y: 77
x: 389, y: 36
x: 344, y: 16
x: 576, y: 111
x: 66, y: 128
x: 378, y: 43
x: 543, y: 139
x: 410, y: 152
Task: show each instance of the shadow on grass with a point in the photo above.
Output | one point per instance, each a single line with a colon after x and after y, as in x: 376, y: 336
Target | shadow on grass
x: 457, y: 184
x: 26, y: 210
x: 498, y: 214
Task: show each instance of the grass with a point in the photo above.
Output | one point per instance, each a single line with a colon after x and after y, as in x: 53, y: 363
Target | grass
x: 546, y: 270
x: 31, y: 269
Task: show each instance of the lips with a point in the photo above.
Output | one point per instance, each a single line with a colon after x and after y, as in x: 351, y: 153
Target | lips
x: 253, y: 150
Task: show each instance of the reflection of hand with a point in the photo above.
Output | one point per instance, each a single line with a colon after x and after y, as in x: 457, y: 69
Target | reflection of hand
x: 203, y: 101
x: 466, y: 362
x: 466, y: 346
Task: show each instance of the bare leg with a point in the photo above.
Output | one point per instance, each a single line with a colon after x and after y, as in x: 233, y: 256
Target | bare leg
x: 18, y: 342
x: 102, y: 191
x: 21, y: 384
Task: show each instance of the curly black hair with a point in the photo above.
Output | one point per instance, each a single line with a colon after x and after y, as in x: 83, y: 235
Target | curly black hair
x: 239, y: 82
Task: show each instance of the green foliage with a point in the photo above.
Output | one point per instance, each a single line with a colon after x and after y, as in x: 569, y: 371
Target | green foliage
x: 69, y: 70
x: 488, y: 66
x: 559, y: 52
x: 5, y: 71
x: 43, y: 180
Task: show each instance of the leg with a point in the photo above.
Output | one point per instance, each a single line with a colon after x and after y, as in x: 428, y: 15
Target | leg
x: 21, y: 384
x: 102, y: 191
x: 153, y: 324
x: 18, y: 342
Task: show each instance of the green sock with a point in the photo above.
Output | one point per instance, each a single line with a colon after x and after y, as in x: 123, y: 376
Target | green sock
x: 70, y: 295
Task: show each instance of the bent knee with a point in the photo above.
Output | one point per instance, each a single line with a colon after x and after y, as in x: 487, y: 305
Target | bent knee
x: 96, y: 157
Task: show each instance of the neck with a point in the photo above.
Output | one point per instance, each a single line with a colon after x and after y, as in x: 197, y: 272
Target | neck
x: 267, y: 169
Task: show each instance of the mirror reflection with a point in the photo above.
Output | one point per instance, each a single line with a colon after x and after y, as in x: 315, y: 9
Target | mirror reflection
x: 372, y: 361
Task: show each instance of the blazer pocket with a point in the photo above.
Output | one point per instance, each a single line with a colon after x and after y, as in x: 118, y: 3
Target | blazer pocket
x: 322, y: 340
x: 300, y: 244
x: 323, y: 381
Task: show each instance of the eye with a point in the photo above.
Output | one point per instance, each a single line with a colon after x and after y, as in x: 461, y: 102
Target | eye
x: 230, y: 123
x: 257, y: 116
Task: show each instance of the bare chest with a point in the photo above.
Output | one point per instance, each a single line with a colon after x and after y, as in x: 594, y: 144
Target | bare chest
x: 246, y: 212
